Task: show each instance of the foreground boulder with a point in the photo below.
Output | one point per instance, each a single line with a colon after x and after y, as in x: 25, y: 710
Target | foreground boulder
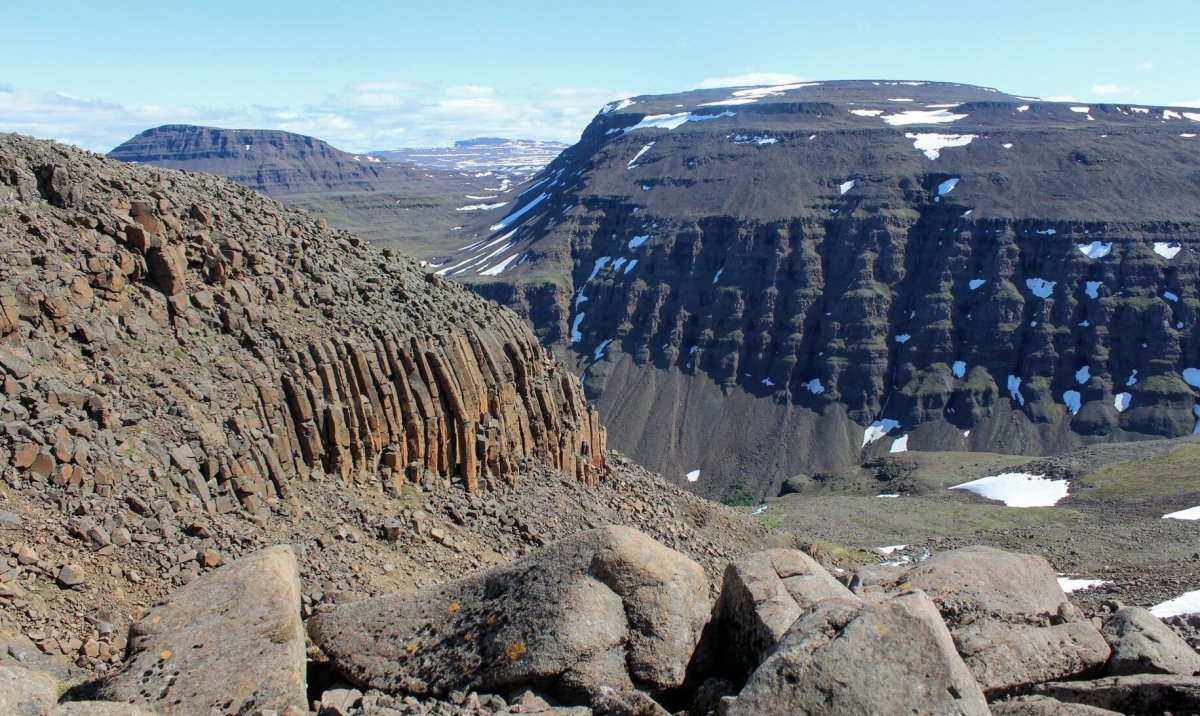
x: 1045, y: 706
x: 231, y: 641
x: 1009, y: 617
x: 605, y: 608
x: 26, y: 693
x: 762, y: 595
x: 846, y: 657
x: 1142, y: 644
x: 1135, y: 694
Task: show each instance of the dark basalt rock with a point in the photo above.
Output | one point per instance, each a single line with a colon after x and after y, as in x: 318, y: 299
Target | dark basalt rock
x: 807, y: 270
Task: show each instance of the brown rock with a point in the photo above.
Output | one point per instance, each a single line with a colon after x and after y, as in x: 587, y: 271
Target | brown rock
x: 761, y: 596
x: 1142, y: 644
x: 231, y: 640
x: 1132, y: 694
x: 26, y: 693
x: 846, y: 657
x: 1010, y: 619
x: 70, y: 575
x: 168, y: 268
x: 603, y: 608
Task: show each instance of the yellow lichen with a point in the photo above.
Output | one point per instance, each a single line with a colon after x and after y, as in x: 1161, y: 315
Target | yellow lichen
x: 515, y: 650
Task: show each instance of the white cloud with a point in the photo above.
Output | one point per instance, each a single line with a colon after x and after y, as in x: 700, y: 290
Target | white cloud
x: 365, y: 116
x: 1144, y: 66
x: 1109, y: 88
x: 750, y: 79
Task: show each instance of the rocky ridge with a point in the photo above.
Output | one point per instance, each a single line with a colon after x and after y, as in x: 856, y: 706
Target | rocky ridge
x: 790, y: 279
x: 192, y: 371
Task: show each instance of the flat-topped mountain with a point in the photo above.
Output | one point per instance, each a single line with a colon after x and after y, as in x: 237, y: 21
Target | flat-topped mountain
x: 763, y: 281
x: 267, y: 160
x: 392, y: 203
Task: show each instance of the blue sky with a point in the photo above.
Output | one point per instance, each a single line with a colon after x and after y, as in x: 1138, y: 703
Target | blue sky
x: 376, y: 75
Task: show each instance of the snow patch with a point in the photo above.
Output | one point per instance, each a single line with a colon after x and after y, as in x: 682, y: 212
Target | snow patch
x: 576, y: 336
x: 638, y: 241
x: 508, y: 220
x: 1014, y: 389
x: 1040, y: 287
x: 671, y: 121
x: 899, y: 445
x: 643, y: 150
x: 1191, y: 376
x: 717, y: 277
x: 947, y: 186
x: 1075, y: 585
x: 1083, y: 375
x: 1121, y: 402
x: 481, y: 207
x: 867, y: 112
x: 1192, y: 513
x: 814, y: 386
x: 1093, y: 289
x: 1166, y: 250
x: 598, y: 267
x: 693, y: 475
x: 1018, y: 489
x: 959, y: 369
x: 976, y: 283
x: 1095, y: 250
x: 878, y: 429
x: 1186, y: 603
x: 1173, y: 298
x: 903, y: 338
x: 1071, y: 399
x: 500, y: 267
x: 922, y: 116
x: 932, y: 143
x: 599, y: 352
x: 846, y: 186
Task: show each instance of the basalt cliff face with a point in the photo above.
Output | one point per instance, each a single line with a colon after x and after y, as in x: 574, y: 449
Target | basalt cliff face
x: 185, y: 337
x: 765, y: 281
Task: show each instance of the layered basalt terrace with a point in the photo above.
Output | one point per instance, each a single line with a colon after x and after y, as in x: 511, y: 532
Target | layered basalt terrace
x: 766, y: 281
x: 188, y: 338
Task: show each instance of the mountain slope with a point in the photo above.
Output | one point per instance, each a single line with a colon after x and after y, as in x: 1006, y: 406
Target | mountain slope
x: 190, y: 371
x: 766, y: 281
x: 392, y: 203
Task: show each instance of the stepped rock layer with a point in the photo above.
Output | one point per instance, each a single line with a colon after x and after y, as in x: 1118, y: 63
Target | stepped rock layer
x: 185, y: 335
x: 766, y: 281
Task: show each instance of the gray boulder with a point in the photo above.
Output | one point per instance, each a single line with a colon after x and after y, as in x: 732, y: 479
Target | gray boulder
x: 1010, y: 620
x: 846, y: 657
x: 100, y: 708
x: 761, y: 596
x: 1142, y: 644
x: 1045, y: 706
x: 607, y: 607
x: 1133, y: 694
x: 26, y: 693
x: 231, y: 640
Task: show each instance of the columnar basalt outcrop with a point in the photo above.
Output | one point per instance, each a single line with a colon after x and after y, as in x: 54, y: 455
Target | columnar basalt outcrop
x: 186, y: 334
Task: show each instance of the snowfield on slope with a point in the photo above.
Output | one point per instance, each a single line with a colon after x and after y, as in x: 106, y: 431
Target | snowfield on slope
x: 1018, y: 489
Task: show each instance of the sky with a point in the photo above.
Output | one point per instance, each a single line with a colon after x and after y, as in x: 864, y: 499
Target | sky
x: 379, y: 75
